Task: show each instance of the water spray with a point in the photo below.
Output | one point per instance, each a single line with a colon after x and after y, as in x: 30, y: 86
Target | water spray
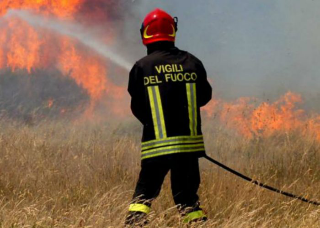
x: 72, y: 30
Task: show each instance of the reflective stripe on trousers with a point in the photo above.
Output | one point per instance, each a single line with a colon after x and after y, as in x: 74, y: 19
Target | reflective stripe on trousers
x: 139, y: 208
x: 194, y: 216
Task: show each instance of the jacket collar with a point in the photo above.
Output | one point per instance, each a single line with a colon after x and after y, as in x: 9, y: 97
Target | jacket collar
x: 160, y: 46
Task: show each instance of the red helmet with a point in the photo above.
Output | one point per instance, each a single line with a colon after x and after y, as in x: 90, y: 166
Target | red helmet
x: 159, y: 26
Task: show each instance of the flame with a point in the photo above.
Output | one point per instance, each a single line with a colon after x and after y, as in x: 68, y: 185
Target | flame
x: 235, y: 115
x: 23, y: 47
x: 251, y: 119
x: 87, y: 72
x: 211, y: 107
x: 60, y: 8
x: 3, y: 38
x: 50, y: 103
x: 280, y: 115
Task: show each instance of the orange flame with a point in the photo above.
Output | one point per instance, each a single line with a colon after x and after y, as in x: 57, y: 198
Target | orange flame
x: 50, y: 103
x: 3, y: 38
x: 88, y: 72
x: 264, y: 120
x: 61, y: 8
x: 24, y: 47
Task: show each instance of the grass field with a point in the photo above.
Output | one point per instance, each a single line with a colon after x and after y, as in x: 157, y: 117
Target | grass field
x: 83, y: 175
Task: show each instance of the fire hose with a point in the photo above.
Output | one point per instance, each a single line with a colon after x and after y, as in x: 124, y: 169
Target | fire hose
x: 261, y: 184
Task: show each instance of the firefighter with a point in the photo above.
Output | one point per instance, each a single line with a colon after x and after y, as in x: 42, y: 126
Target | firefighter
x: 167, y: 88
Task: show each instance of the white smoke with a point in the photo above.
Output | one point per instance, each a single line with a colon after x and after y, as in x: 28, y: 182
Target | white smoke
x: 75, y: 31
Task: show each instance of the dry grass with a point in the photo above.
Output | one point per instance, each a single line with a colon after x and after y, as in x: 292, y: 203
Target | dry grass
x: 64, y: 175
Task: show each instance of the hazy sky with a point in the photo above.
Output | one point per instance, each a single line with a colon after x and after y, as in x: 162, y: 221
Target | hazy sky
x: 249, y: 47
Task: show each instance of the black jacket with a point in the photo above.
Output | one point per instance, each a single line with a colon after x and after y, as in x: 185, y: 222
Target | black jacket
x: 168, y: 87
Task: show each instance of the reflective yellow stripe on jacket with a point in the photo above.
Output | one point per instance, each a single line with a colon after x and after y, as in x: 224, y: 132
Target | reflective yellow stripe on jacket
x: 172, y: 141
x: 163, y: 145
x: 192, y: 108
x: 157, y: 112
x: 172, y: 145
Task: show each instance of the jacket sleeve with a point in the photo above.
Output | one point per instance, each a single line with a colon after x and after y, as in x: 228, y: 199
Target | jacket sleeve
x: 136, y: 91
x: 204, y: 89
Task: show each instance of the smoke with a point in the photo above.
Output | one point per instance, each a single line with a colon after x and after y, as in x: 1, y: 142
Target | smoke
x: 249, y: 47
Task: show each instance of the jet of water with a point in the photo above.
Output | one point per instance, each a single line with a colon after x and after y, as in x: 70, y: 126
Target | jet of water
x: 74, y: 31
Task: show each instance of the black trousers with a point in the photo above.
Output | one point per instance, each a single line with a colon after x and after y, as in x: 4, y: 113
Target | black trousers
x: 185, y: 180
